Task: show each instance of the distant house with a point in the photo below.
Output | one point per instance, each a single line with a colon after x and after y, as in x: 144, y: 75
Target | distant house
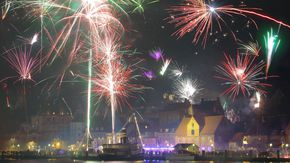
x: 237, y: 141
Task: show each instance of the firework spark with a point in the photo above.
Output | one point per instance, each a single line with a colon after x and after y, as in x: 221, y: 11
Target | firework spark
x: 138, y: 5
x: 134, y: 5
x: 5, y: 8
x: 157, y: 54
x: 149, y: 74
x: 34, y: 39
x: 242, y: 75
x: 199, y: 16
x: 271, y: 43
x: 252, y: 48
x: 177, y: 71
x: 165, y: 66
x: 258, y: 100
x: 187, y: 89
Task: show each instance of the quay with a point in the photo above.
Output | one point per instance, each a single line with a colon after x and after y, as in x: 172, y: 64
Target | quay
x: 221, y: 156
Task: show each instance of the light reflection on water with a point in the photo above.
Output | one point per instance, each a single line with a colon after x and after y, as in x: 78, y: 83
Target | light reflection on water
x: 79, y: 161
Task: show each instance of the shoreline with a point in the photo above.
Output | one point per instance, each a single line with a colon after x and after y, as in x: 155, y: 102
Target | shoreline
x: 90, y: 158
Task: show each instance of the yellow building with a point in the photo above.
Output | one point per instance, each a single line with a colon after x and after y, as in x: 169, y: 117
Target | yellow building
x: 190, y: 131
x: 187, y: 131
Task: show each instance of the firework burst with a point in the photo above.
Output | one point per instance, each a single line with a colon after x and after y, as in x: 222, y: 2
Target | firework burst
x: 199, y: 16
x: 271, y: 43
x: 187, y: 89
x: 113, y: 79
x: 241, y: 75
x: 23, y: 62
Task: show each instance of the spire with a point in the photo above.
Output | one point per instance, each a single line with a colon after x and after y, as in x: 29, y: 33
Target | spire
x: 190, y: 111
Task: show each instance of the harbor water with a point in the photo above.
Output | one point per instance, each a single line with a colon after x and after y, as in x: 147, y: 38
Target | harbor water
x: 79, y: 161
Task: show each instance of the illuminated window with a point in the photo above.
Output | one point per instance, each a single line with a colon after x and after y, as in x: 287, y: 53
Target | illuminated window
x: 192, y: 129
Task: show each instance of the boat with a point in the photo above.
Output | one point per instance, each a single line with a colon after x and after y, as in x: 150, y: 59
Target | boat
x: 127, y: 151
x: 123, y: 150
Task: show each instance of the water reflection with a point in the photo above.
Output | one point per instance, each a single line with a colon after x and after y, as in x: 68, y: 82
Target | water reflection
x: 80, y: 161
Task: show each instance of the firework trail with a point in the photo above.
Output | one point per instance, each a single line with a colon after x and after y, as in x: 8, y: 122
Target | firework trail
x: 187, y: 89
x: 199, y: 16
x: 241, y: 75
x: 5, y: 90
x: 69, y: 109
x: 271, y: 43
x: 258, y: 100
x: 102, y: 24
x: 165, y: 66
x: 252, y: 48
x: 5, y: 8
x: 134, y: 5
x: 138, y: 5
x: 34, y: 39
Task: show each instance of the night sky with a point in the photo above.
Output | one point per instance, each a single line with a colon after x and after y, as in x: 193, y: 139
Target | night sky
x: 146, y: 32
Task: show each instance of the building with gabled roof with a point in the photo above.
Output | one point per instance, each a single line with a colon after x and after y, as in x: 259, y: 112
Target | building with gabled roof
x: 187, y: 131
x: 211, y: 124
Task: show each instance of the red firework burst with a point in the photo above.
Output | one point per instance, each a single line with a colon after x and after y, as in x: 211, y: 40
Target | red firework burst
x: 196, y: 15
x: 113, y: 79
x: 242, y: 75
